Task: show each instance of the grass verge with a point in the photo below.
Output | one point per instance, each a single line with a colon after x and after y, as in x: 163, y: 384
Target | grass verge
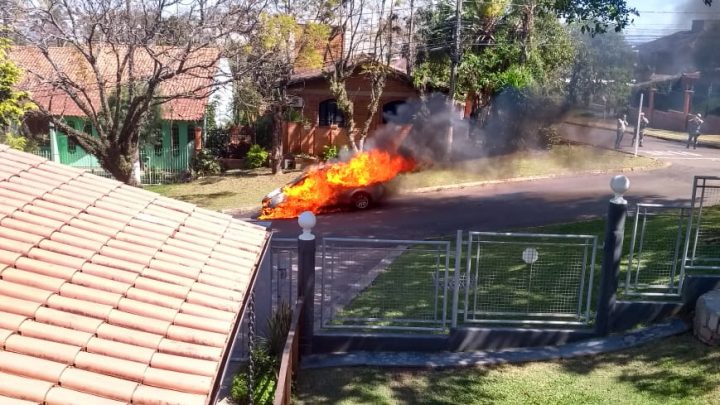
x: 562, y: 159
x: 675, y: 371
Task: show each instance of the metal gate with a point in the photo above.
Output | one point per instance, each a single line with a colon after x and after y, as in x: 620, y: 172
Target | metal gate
x: 702, y: 245
x: 654, y: 261
x: 384, y: 284
x: 519, y: 278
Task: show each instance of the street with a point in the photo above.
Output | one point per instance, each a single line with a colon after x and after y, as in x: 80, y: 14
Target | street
x: 522, y: 204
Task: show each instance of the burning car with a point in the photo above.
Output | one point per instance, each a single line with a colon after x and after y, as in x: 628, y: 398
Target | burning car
x: 357, y: 182
x: 359, y: 198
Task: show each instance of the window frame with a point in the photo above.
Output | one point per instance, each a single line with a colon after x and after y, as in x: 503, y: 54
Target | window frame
x: 329, y: 114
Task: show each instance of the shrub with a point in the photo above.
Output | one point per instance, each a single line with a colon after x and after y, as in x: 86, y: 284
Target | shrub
x: 329, y: 152
x: 278, y: 329
x: 204, y: 163
x: 264, y: 379
x: 256, y: 157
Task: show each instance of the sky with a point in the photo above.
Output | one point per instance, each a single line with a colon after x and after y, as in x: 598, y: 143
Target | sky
x: 663, y: 17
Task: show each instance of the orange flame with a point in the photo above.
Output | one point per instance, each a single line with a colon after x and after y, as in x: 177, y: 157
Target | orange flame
x: 323, y: 185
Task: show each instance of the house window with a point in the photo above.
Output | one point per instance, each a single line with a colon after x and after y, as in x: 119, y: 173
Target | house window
x: 175, y: 140
x: 330, y: 114
x: 71, y: 145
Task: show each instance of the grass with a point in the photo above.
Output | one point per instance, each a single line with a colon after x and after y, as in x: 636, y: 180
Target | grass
x: 245, y: 189
x: 675, y: 371
x: 242, y: 189
x: 405, y: 290
x: 704, y: 140
x: 562, y: 159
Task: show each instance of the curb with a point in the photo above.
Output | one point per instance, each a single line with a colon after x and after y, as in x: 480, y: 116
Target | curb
x: 609, y: 128
x: 664, y: 165
x: 472, y: 359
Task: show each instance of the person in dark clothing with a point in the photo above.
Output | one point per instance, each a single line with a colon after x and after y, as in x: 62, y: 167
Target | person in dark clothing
x: 694, y: 128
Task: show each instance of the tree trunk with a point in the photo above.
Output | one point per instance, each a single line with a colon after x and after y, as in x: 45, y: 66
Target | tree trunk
x: 277, y: 148
x: 119, y: 164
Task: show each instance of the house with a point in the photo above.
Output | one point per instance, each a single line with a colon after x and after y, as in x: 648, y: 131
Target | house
x: 111, y: 294
x: 675, y: 82
x: 322, y: 121
x: 183, y: 118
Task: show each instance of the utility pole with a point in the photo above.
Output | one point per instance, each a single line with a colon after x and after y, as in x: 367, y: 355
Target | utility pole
x: 453, y: 75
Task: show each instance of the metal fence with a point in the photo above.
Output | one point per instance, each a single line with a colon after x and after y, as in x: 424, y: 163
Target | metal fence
x: 702, y: 246
x: 283, y: 270
x: 518, y: 278
x: 654, y: 261
x: 384, y: 284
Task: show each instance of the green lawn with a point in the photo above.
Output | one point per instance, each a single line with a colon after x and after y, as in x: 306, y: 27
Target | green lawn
x: 245, y: 189
x: 675, y: 371
x: 242, y: 189
x: 405, y: 290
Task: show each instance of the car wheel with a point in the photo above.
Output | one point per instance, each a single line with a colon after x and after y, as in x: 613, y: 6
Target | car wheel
x: 361, y: 200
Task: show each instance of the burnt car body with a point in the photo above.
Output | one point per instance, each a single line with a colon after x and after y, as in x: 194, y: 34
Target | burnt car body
x: 359, y: 198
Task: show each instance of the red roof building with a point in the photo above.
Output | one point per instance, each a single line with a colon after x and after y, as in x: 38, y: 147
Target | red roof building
x: 111, y: 294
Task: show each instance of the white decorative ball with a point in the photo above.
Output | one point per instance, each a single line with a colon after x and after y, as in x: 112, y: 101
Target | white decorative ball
x: 620, y: 184
x: 307, y: 220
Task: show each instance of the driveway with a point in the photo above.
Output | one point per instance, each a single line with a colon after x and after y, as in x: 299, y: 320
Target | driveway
x: 520, y: 204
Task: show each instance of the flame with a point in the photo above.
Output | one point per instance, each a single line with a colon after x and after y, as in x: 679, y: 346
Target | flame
x: 323, y: 185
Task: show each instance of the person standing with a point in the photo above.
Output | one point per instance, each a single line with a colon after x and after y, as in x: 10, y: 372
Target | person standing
x: 644, y: 122
x: 621, y: 126
x: 694, y: 128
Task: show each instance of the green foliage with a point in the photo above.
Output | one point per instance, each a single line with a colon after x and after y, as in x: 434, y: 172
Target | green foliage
x: 18, y: 142
x: 204, y: 163
x: 278, y: 329
x: 329, y: 152
x: 264, y: 379
x: 13, y: 104
x: 256, y: 157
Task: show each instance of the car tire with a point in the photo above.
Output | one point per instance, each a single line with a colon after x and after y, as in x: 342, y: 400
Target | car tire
x: 361, y: 200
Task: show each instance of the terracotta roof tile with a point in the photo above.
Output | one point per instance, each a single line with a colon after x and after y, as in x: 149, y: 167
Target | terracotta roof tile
x: 98, y: 384
x: 68, y: 320
x: 113, y: 366
x: 64, y: 396
x: 121, y: 350
x: 31, y: 389
x: 113, y: 293
x: 55, y: 333
x: 146, y: 395
x: 30, y: 366
x: 183, y: 364
x: 41, y: 348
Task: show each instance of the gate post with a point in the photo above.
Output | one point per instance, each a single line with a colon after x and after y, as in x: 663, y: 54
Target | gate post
x: 306, y: 280
x: 612, y: 253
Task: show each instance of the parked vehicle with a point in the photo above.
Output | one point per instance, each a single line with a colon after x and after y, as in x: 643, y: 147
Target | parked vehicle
x: 359, y: 198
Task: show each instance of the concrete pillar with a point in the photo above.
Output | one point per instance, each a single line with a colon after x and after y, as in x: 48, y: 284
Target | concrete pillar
x: 306, y: 280
x: 612, y: 253
x: 687, y: 103
x: 54, y: 149
x: 651, y: 104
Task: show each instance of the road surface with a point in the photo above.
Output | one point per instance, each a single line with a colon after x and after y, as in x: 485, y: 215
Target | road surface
x: 520, y: 204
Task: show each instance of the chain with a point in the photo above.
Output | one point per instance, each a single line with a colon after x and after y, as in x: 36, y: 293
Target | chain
x: 251, y: 346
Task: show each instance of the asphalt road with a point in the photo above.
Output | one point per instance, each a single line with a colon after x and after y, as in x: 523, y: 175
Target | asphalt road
x: 505, y: 206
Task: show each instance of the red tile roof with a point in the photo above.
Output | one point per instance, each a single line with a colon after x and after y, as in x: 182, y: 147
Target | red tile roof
x: 112, y: 294
x: 192, y: 88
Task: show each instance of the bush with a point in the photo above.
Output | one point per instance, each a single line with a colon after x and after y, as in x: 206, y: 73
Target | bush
x: 204, y: 163
x: 329, y: 152
x: 264, y: 379
x: 256, y: 157
x: 278, y: 329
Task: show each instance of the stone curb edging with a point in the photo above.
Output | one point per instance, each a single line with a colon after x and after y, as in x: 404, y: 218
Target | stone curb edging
x: 472, y: 359
x: 658, y: 136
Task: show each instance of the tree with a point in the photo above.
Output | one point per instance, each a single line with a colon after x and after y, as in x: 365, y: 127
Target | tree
x: 128, y: 50
x: 603, y: 67
x: 13, y: 103
x: 365, y: 51
x: 276, y: 48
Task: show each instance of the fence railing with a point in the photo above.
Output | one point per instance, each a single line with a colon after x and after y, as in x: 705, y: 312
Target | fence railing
x: 290, y: 358
x: 654, y: 260
x: 283, y: 270
x: 702, y: 245
x: 518, y: 278
x: 384, y: 284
